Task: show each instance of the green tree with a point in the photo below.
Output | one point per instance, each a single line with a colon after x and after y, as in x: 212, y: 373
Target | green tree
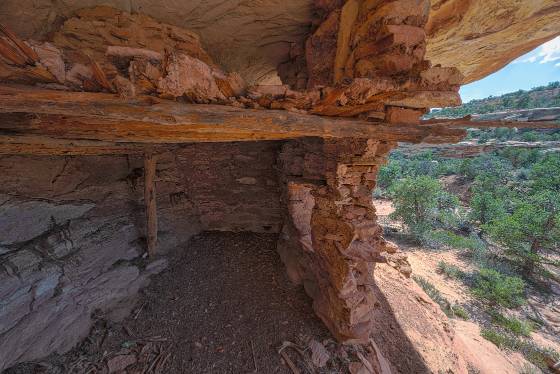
x: 499, y: 289
x: 485, y: 207
x: 488, y: 198
x: 520, y: 157
x: 531, y: 232
x: 545, y: 174
x: 388, y: 174
x: 421, y: 203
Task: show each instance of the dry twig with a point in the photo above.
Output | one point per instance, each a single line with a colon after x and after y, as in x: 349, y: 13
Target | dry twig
x: 254, y: 358
x: 366, y: 362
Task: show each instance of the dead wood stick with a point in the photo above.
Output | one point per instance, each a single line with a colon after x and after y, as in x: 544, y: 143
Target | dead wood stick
x: 468, y: 122
x: 139, y: 310
x: 289, y: 362
x: 254, y: 358
x: 100, y: 77
x: 159, y: 367
x: 383, y: 363
x: 150, y: 164
x: 106, y: 117
x: 295, y: 347
x: 365, y: 361
x: 154, y: 362
x: 10, y: 54
x: 31, y: 56
x: 130, y: 53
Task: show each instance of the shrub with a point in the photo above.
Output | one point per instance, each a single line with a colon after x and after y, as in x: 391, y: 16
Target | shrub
x: 434, y: 294
x: 529, y: 369
x: 512, y: 324
x: 520, y: 157
x: 448, y: 166
x: 447, y: 239
x: 545, y: 174
x: 421, y: 203
x: 449, y: 270
x: 503, y: 133
x: 499, y: 289
x: 533, y: 353
x: 530, y: 136
x: 485, y: 207
x: 388, y: 174
x: 460, y: 312
x: 501, y: 339
x: 532, y: 229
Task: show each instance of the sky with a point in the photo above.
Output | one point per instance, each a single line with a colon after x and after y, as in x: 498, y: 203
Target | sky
x: 536, y: 68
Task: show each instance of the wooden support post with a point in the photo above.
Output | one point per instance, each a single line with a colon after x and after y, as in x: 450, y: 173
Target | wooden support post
x: 150, y: 162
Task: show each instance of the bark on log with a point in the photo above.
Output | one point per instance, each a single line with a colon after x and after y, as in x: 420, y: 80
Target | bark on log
x: 105, y: 117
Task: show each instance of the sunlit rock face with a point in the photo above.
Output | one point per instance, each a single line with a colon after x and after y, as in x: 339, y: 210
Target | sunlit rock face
x: 481, y: 36
x: 254, y: 37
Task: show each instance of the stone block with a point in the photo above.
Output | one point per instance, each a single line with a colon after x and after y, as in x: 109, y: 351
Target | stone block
x: 403, y: 115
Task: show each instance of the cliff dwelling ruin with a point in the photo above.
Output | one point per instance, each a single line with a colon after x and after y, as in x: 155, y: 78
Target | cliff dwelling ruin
x: 128, y: 127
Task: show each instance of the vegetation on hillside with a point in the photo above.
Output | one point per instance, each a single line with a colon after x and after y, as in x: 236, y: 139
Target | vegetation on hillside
x: 507, y: 225
x: 514, y: 205
x: 539, y: 97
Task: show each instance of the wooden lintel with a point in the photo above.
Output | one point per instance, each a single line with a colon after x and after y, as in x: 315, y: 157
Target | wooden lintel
x: 108, y: 118
x: 150, y: 166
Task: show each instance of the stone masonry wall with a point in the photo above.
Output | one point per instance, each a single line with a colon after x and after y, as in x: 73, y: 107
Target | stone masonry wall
x: 234, y: 185
x: 72, y: 232
x: 331, y: 240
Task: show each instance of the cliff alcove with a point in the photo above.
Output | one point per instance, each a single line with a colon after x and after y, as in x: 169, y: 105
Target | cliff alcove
x: 126, y: 130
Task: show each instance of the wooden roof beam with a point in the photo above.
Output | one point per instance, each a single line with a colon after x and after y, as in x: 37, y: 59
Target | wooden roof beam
x: 105, y: 117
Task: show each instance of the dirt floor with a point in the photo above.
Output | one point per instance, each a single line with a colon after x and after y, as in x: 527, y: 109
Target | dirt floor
x: 224, y: 305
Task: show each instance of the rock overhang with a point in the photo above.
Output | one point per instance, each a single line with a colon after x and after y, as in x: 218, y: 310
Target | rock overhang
x: 118, y: 82
x: 254, y: 37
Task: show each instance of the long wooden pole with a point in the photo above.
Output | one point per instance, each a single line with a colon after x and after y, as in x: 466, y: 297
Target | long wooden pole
x: 108, y: 118
x: 150, y: 163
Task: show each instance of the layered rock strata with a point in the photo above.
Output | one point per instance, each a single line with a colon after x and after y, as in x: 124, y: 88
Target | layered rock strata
x: 480, y: 37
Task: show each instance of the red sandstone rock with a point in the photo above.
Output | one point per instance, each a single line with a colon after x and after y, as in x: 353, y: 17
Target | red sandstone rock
x: 403, y: 115
x: 119, y: 363
x: 51, y: 58
x: 336, y: 265
x: 320, y: 52
x: 189, y: 77
x: 124, y: 87
x: 77, y: 74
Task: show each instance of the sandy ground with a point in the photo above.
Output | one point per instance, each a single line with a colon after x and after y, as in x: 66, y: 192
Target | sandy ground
x: 482, y: 354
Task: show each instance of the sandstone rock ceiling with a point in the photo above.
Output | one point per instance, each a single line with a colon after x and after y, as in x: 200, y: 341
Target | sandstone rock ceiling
x: 481, y: 36
x: 250, y: 36
x: 254, y: 36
